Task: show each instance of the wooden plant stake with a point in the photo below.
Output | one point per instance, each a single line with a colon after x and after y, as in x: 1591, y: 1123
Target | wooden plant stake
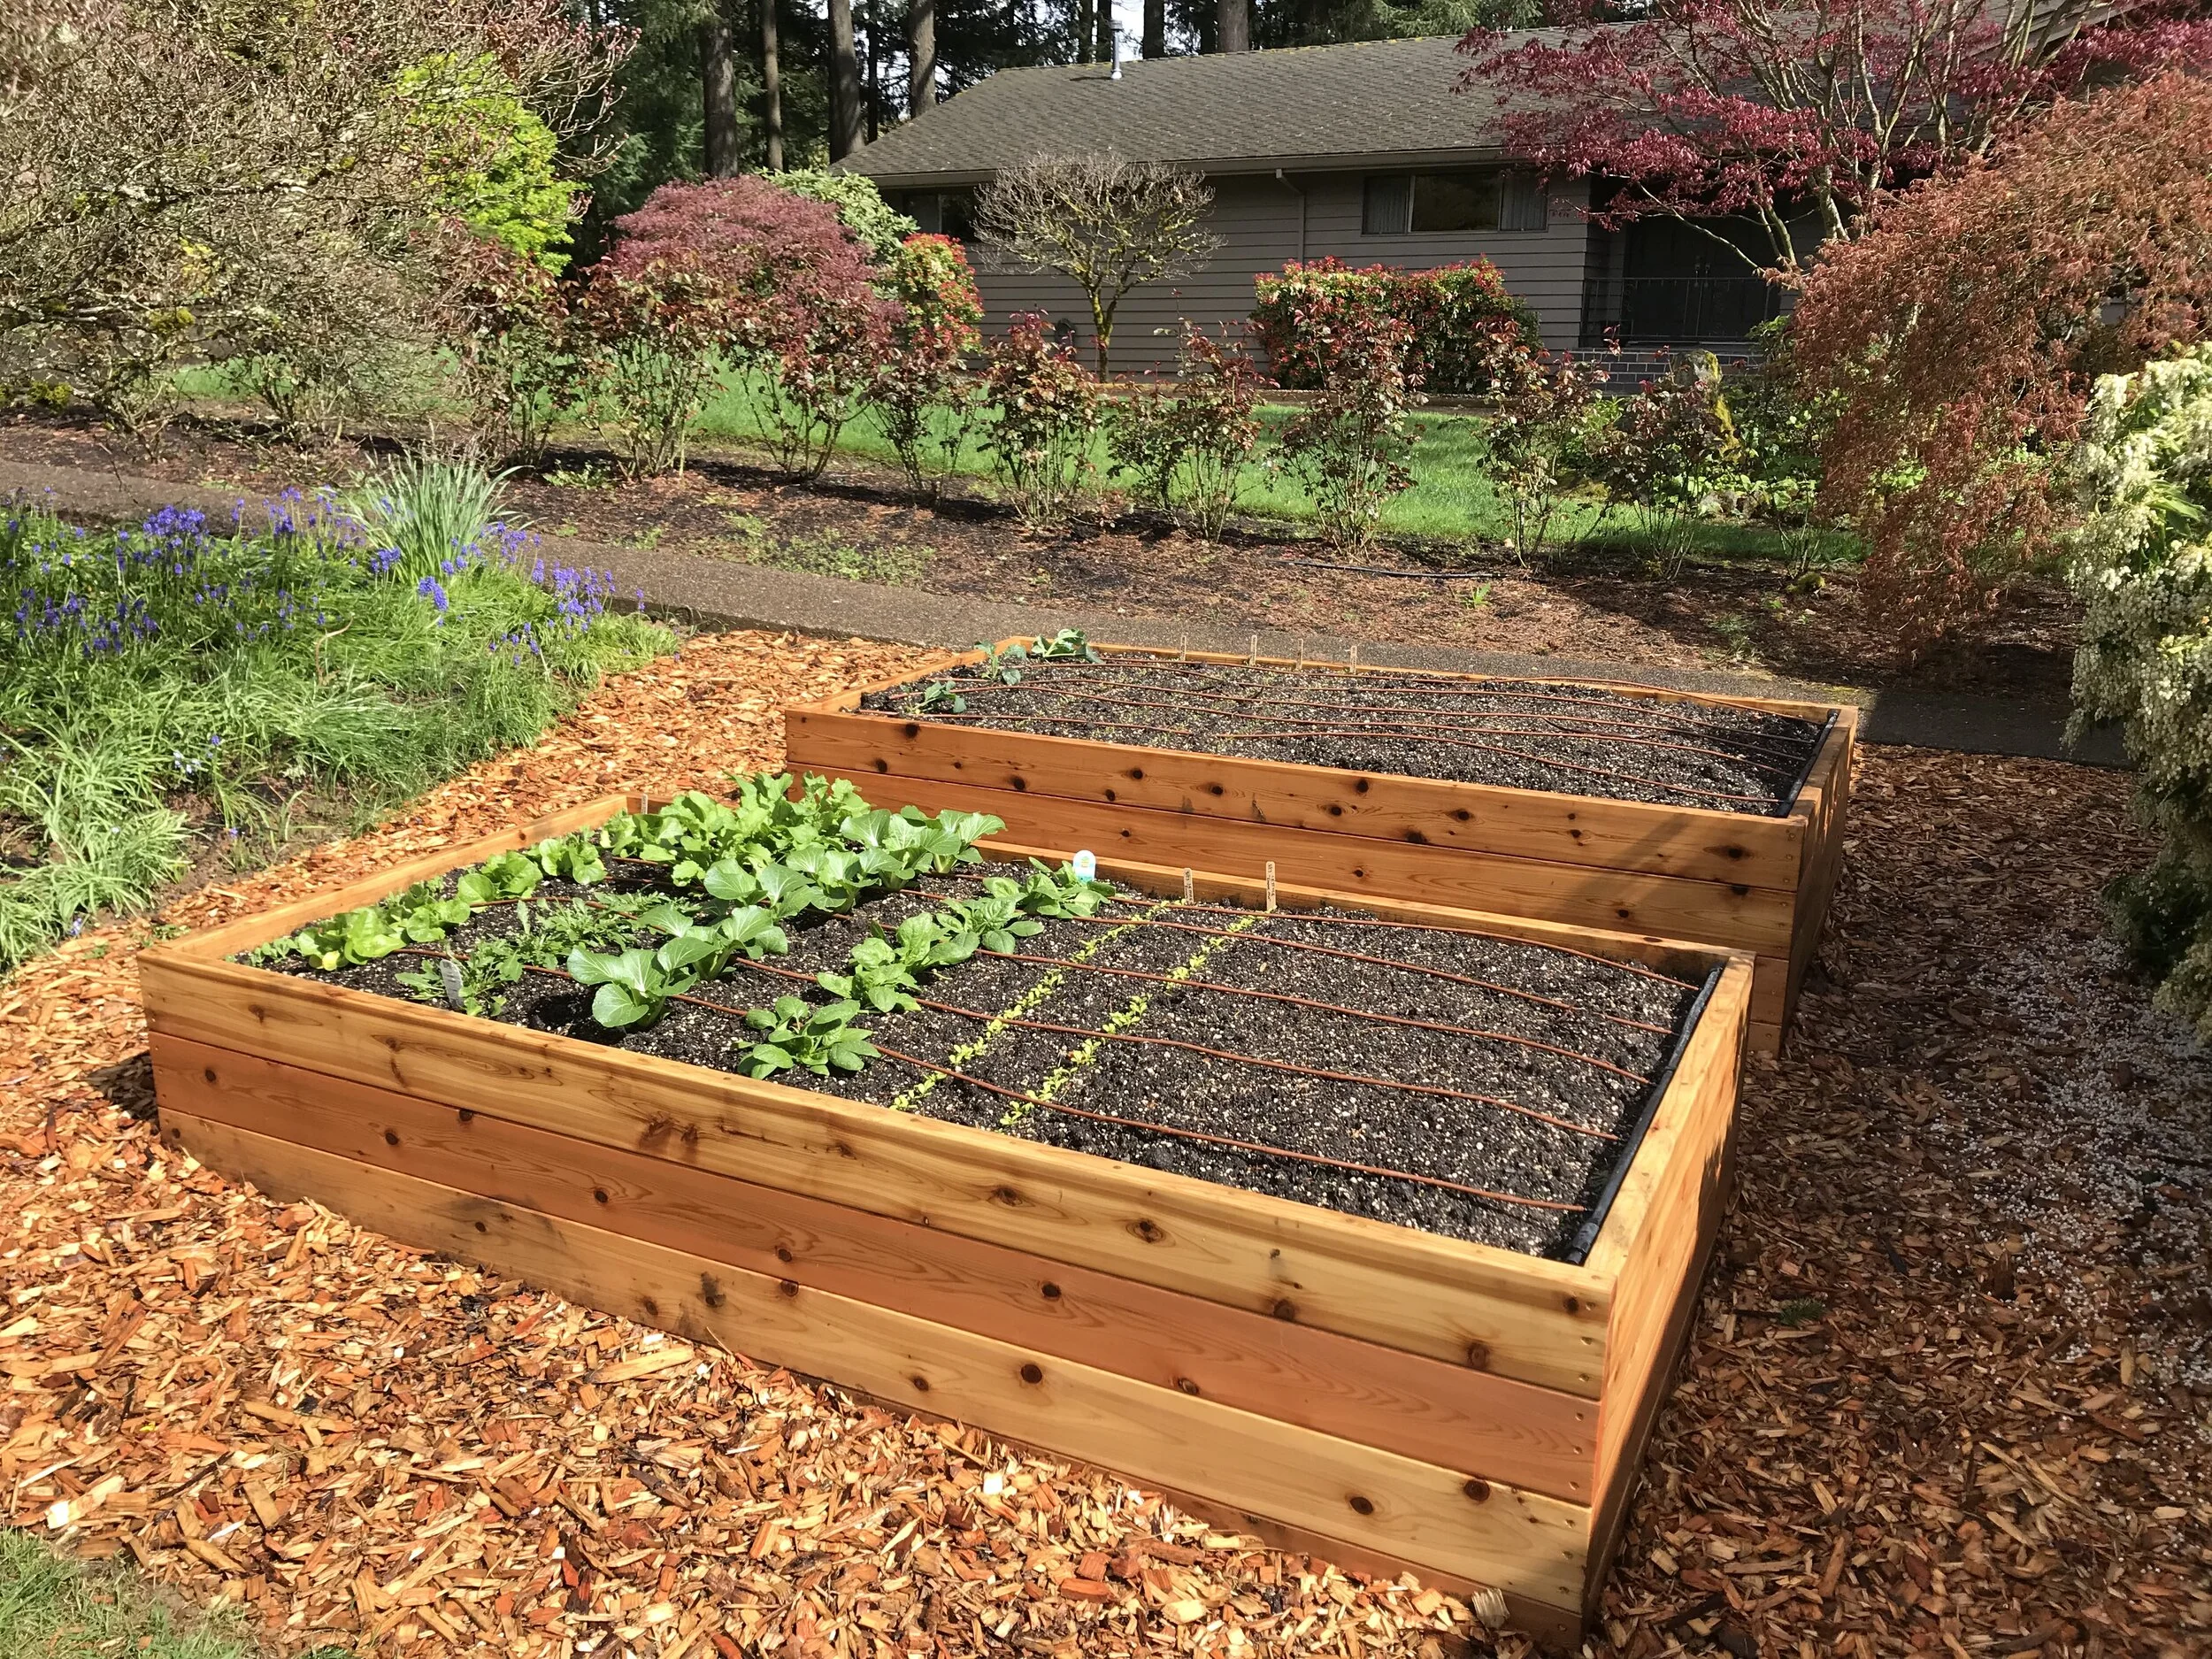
x: 1271, y: 887
x: 1252, y: 653
x: 1190, y: 888
x: 1351, y: 659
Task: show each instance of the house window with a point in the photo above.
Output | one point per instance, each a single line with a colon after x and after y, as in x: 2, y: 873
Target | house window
x: 946, y: 213
x: 1445, y: 203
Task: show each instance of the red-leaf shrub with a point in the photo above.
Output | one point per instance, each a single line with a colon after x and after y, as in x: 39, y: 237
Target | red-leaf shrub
x: 508, y: 321
x: 1041, y: 407
x: 649, y: 339
x: 916, y: 375
x: 1189, y: 443
x: 792, y: 295
x: 1466, y: 332
x: 1350, y: 444
x: 1960, y: 336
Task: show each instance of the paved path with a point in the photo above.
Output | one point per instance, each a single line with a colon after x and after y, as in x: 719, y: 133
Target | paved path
x: 720, y: 593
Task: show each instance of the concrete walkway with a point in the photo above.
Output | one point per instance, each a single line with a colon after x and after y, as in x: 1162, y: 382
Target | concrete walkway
x: 721, y: 593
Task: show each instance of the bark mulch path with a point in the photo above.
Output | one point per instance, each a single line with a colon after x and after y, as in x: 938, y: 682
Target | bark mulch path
x: 1949, y: 1390
x: 860, y: 523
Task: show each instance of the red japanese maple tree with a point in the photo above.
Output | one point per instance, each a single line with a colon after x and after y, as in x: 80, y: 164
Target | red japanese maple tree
x: 1799, y: 114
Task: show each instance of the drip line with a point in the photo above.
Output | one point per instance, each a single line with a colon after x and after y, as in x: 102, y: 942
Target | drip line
x: 1308, y: 918
x: 1320, y: 1007
x: 1141, y: 1125
x: 1257, y: 737
x: 1233, y: 1056
x: 1616, y: 730
x: 1406, y: 680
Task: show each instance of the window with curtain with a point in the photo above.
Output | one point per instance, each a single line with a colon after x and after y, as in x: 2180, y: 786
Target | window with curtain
x: 1442, y: 204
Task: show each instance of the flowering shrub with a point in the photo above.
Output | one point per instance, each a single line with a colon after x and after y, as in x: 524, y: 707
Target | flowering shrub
x: 187, y: 673
x: 1041, y: 410
x: 1465, y: 333
x: 1350, y: 444
x: 1191, y: 442
x: 1959, y: 337
x: 2141, y: 562
x: 916, y: 392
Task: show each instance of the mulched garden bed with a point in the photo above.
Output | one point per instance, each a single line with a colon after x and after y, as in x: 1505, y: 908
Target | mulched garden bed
x: 1950, y: 1388
x: 1473, y: 1065
x: 1579, y: 740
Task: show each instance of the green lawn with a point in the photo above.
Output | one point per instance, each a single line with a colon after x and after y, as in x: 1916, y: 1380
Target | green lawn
x: 1451, y: 499
x: 53, y: 1608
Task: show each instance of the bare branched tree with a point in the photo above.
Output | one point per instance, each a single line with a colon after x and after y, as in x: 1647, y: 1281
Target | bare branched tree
x: 1106, y: 223
x: 285, y: 189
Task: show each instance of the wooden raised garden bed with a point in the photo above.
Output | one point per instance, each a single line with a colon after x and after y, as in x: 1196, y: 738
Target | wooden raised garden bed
x: 1738, y: 846
x: 1387, y: 1395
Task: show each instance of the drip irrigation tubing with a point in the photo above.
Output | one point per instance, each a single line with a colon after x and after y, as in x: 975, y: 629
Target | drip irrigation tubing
x: 1487, y: 748
x: 1308, y: 918
x: 1318, y: 1008
x: 1438, y: 683
x: 1231, y: 1055
x: 1230, y: 1142
x: 1600, y: 731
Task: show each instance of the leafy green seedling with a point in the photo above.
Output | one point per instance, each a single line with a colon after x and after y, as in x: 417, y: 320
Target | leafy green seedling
x: 1069, y: 644
x: 795, y: 1036
x: 943, y: 695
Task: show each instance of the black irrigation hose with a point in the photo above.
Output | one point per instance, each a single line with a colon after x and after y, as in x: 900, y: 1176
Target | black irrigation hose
x: 1797, y: 788
x: 1586, y: 1235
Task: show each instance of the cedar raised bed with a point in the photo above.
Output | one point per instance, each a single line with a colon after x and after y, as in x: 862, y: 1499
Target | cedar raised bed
x: 1387, y: 1397
x: 1754, y: 881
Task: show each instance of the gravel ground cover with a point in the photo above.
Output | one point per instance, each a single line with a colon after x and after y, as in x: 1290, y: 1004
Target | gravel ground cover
x: 1522, y: 734
x: 1949, y: 1390
x: 1498, y: 1091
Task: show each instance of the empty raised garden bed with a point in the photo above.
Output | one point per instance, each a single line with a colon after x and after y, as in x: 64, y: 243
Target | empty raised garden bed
x: 1377, y: 1232
x: 1679, y: 817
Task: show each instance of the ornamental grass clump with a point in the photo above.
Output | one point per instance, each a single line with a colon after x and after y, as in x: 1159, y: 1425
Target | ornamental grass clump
x: 186, y: 678
x: 2141, y: 562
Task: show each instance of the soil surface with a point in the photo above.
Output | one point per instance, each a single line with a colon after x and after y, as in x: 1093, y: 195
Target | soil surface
x: 1591, y: 603
x: 1497, y: 1113
x: 1579, y: 740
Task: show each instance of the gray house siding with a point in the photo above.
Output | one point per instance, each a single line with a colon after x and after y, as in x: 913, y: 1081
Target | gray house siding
x: 1263, y: 222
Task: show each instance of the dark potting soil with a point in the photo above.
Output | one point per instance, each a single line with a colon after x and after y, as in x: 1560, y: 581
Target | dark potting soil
x: 1572, y: 739
x: 1532, y: 1093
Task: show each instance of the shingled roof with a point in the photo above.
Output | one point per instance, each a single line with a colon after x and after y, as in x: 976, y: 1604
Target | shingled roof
x: 1307, y: 106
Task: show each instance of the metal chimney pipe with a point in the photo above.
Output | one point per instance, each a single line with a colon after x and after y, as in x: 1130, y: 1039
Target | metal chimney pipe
x: 1114, y: 29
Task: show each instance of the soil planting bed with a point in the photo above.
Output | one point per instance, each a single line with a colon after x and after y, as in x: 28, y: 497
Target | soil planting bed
x: 1678, y: 816
x: 1522, y: 734
x: 1379, y: 1227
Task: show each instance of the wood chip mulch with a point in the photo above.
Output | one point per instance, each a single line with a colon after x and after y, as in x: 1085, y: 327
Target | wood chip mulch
x: 1948, y: 1392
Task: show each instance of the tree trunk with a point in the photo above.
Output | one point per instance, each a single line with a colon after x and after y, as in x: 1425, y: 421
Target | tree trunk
x: 1105, y: 37
x: 871, y: 95
x: 717, y: 81
x: 1154, y: 28
x: 771, y: 84
x: 921, y: 56
x: 1232, y: 26
x: 1086, y: 20
x: 844, y: 82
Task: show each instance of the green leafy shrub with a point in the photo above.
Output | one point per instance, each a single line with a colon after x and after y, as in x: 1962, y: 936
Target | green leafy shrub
x: 1350, y: 444
x: 1187, y: 445
x: 2141, y: 562
x: 1041, y: 407
x: 489, y: 161
x: 1464, y: 331
x: 879, y: 228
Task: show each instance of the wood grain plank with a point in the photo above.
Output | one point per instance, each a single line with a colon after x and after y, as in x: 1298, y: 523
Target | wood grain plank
x: 1541, y: 1322
x: 1418, y: 1512
x: 1743, y: 918
x: 1654, y: 1248
x: 1532, y: 1437
x: 1556, y: 827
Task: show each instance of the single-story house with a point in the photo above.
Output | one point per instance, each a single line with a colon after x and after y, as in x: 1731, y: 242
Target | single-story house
x: 1362, y: 151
